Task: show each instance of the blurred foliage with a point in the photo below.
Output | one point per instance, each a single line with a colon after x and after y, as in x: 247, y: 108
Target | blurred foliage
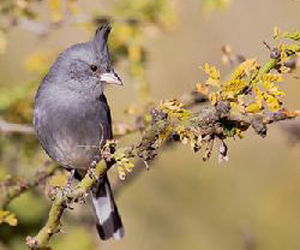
x: 82, y: 236
x: 161, y: 12
x: 211, y: 5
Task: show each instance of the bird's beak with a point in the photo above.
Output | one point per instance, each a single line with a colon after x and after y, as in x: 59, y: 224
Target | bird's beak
x: 111, y: 78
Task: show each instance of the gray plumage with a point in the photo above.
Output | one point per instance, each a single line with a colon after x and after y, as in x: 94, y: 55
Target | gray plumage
x: 72, y: 118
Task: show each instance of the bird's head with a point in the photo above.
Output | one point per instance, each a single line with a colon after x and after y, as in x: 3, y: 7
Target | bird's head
x: 87, y: 65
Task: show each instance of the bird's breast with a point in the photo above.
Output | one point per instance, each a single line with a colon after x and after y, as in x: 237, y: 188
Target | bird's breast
x: 71, y: 128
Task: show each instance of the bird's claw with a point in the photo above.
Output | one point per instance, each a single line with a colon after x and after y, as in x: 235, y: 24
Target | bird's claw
x: 68, y: 187
x: 92, y: 173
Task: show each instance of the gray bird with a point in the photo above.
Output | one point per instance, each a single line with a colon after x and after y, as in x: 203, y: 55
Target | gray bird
x: 72, y: 118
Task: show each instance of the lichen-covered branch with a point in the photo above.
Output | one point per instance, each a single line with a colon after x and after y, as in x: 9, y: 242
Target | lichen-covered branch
x: 63, y: 200
x: 12, y: 187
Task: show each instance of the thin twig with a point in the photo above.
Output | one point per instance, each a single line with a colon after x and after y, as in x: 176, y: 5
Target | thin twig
x: 12, y: 187
x: 14, y: 128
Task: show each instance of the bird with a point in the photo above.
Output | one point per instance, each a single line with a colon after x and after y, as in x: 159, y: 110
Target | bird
x: 72, y: 119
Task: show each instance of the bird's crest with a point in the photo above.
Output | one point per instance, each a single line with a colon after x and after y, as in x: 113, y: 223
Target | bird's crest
x: 100, y: 40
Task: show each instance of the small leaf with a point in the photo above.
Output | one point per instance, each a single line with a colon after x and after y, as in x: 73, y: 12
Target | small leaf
x: 292, y: 35
x: 174, y: 108
x: 283, y: 55
x: 202, y: 88
x: 258, y: 94
x: 254, y: 107
x: 213, y: 98
x: 272, y: 102
x: 213, y: 75
x: 8, y: 217
x: 276, y: 32
x: 272, y: 78
x: 244, y: 68
x: 233, y: 88
x: 123, y: 165
x: 293, y: 48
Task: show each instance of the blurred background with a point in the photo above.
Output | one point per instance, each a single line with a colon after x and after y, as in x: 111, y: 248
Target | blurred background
x: 251, y: 202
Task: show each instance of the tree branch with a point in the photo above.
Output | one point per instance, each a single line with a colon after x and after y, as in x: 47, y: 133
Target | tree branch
x: 14, y: 128
x: 63, y: 200
x: 12, y: 187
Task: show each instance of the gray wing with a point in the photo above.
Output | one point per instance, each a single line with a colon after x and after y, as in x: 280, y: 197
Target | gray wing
x: 108, y: 120
x: 71, y: 129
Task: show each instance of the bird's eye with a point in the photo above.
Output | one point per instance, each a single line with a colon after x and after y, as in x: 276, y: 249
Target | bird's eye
x: 94, y: 68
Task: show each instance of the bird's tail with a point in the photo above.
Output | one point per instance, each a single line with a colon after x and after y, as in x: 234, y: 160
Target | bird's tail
x: 109, y: 222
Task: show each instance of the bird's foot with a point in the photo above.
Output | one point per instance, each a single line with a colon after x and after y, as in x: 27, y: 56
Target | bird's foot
x: 92, y: 173
x: 70, y: 179
x: 68, y: 187
x: 92, y: 169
